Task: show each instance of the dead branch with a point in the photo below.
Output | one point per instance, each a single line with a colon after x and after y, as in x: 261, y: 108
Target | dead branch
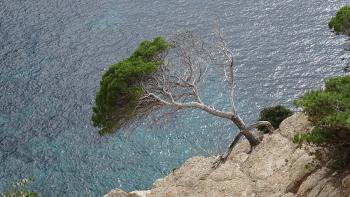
x: 177, y: 82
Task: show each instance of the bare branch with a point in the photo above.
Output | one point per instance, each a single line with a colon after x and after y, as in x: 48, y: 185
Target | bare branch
x: 208, y: 109
x: 227, y: 63
x: 177, y: 84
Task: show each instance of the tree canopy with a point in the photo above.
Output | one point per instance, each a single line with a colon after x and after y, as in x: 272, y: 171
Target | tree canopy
x: 341, y: 22
x: 329, y: 110
x: 120, y: 86
x: 159, y: 75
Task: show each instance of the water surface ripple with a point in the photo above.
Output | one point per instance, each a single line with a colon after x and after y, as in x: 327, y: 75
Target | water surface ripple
x: 54, y: 52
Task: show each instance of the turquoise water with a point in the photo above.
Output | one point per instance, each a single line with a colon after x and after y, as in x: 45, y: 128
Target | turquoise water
x: 53, y: 54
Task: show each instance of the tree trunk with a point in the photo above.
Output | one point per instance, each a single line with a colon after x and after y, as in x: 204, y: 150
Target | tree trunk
x: 253, y: 140
x: 243, y: 131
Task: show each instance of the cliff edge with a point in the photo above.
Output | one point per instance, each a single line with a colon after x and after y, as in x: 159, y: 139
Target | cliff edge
x: 276, y: 168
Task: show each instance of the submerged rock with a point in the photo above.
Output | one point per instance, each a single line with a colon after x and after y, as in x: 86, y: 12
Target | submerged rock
x: 347, y: 68
x: 276, y: 168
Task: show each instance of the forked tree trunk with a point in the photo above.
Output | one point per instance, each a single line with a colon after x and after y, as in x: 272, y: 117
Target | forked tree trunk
x: 253, y: 140
x: 244, y: 131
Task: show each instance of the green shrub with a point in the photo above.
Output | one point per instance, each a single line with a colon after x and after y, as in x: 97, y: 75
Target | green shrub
x: 329, y: 110
x: 20, y: 189
x: 341, y: 22
x: 120, y: 86
x: 275, y: 115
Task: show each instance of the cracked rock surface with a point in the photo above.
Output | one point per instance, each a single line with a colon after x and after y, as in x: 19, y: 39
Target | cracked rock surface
x: 276, y: 168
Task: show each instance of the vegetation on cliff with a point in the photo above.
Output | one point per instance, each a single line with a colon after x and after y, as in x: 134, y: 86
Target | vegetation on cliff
x: 341, y: 22
x: 329, y: 110
x: 275, y: 115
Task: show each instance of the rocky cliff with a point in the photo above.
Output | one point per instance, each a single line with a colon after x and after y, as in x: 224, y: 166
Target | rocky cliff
x: 277, y: 167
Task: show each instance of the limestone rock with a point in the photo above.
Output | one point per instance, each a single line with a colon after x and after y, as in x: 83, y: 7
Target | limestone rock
x: 289, y: 195
x: 324, y: 188
x: 329, y: 190
x: 269, y: 156
x: 302, y: 168
x: 312, y: 181
x: 346, y: 182
x: 276, y: 168
x: 297, y: 123
x: 142, y: 193
x: 119, y: 193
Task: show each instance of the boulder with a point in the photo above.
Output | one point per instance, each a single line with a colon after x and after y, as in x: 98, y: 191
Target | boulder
x: 119, y: 193
x: 346, y: 182
x: 312, y: 181
x: 297, y: 123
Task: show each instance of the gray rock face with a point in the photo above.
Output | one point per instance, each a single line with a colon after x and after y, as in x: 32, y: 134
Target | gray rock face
x: 276, y: 168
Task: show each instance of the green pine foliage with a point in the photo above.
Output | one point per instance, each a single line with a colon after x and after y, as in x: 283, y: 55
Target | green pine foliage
x: 341, y: 22
x: 329, y: 110
x: 275, y: 115
x: 120, y: 86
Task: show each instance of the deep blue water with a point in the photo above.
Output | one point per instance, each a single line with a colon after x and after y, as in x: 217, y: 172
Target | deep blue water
x: 53, y: 54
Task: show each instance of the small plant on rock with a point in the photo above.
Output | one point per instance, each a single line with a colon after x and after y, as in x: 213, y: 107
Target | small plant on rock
x: 341, y: 22
x: 275, y: 115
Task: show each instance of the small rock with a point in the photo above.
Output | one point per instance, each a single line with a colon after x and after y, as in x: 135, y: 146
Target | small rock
x: 346, y: 182
x: 347, y: 68
x: 143, y: 193
x: 288, y: 195
x: 116, y: 193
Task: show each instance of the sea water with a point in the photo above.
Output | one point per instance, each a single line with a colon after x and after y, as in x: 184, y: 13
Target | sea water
x: 53, y: 54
